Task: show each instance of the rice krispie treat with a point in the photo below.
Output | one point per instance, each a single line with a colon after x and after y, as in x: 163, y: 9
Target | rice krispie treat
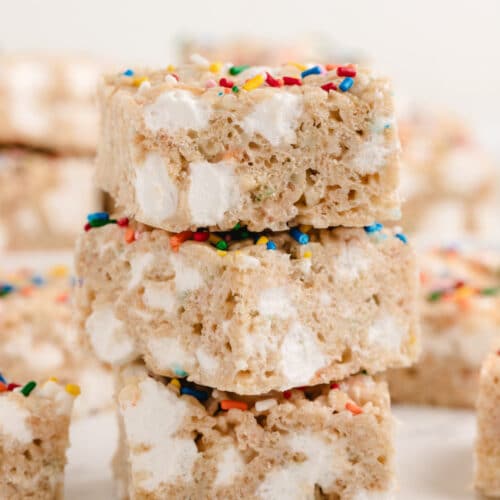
x: 487, y: 458
x: 460, y: 318
x: 248, y: 312
x: 186, y: 441
x: 49, y: 102
x: 212, y: 145
x: 38, y: 337
x: 34, y: 423
x: 40, y: 197
x: 448, y: 182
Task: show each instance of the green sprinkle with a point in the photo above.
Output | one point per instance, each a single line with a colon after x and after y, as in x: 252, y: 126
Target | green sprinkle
x: 221, y: 245
x: 236, y: 70
x: 180, y: 372
x: 434, y: 296
x: 490, y: 291
x: 99, y: 222
x: 235, y: 89
x: 26, y: 390
x: 236, y: 227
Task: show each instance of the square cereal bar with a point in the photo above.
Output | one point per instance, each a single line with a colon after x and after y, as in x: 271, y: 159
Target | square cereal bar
x: 41, y: 196
x: 487, y: 459
x: 213, y: 145
x: 460, y: 319
x: 184, y: 441
x: 34, y: 423
x: 248, y: 312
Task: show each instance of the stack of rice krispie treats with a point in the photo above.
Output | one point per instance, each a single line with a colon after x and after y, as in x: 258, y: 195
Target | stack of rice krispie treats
x: 243, y: 291
x: 48, y: 134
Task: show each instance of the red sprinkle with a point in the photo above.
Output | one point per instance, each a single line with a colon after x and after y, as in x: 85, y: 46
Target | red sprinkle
x: 201, y: 236
x: 273, y: 82
x: 353, y: 408
x: 334, y: 385
x: 289, y: 80
x: 123, y: 222
x: 224, y: 82
x: 329, y: 86
x: 346, y: 71
x: 287, y: 394
x: 87, y: 227
x: 12, y: 386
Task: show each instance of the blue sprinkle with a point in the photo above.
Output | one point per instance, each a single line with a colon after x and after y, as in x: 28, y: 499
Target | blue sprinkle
x: 299, y: 236
x: 315, y: 70
x: 98, y: 216
x: 270, y: 245
x: 387, y: 125
x: 2, y: 379
x: 374, y: 228
x: 402, y: 237
x: 180, y: 372
x: 5, y: 288
x: 37, y: 280
x: 346, y: 84
x: 128, y: 72
x: 220, y: 93
x: 199, y: 395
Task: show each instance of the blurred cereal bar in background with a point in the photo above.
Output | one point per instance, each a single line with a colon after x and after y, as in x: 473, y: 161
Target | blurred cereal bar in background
x: 39, y: 339
x: 449, y: 184
x: 41, y: 195
x: 48, y: 134
x: 460, y: 319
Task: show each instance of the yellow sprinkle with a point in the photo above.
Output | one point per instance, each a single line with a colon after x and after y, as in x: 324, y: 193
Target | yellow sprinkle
x: 215, y: 67
x: 53, y: 379
x: 262, y: 240
x: 59, y: 271
x: 136, y: 82
x: 307, y: 254
x: 170, y: 68
x: 175, y: 383
x: 413, y: 339
x: 463, y: 292
x: 213, y: 238
x: 302, y: 67
x: 222, y: 253
x: 254, y: 82
x: 73, y: 389
x: 305, y: 228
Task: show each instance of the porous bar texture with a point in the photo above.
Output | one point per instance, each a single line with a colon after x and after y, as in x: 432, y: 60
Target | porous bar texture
x: 180, y: 154
x: 460, y: 319
x: 41, y: 196
x: 48, y: 102
x: 315, y: 442
x: 33, y: 442
x: 449, y: 184
x: 249, y: 319
x: 39, y: 339
x: 487, y: 458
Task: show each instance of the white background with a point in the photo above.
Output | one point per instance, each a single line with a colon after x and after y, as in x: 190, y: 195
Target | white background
x: 441, y: 52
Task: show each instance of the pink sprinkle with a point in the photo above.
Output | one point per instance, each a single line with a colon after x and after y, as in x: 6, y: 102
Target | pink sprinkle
x: 210, y: 84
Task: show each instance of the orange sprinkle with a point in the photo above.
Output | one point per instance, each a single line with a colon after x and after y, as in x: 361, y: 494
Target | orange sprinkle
x: 330, y: 67
x: 129, y: 235
x: 27, y: 291
x: 62, y: 297
x: 353, y: 408
x: 3, y: 387
x: 423, y: 277
x: 227, y: 404
x: 178, y: 239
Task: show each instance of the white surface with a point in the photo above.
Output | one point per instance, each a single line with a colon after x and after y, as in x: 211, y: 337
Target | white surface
x: 434, y: 455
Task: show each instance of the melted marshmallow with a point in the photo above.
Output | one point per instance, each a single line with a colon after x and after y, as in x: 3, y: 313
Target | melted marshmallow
x: 351, y: 262
x: 231, y: 464
x: 175, y: 110
x: 276, y: 302
x: 371, y: 155
x: 275, y: 118
x: 186, y: 278
x: 213, y: 190
x: 13, y: 420
x: 155, y: 192
x: 168, y: 353
x: 151, y: 425
x: 386, y: 333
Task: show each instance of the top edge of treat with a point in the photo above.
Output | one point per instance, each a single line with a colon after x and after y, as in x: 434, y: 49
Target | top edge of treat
x: 48, y: 389
x: 202, y: 75
x: 239, y: 236
x: 25, y: 282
